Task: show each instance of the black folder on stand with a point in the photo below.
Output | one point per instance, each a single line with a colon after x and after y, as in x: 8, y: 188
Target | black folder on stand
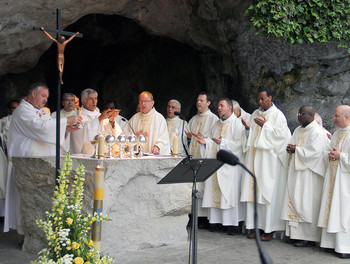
x: 184, y: 171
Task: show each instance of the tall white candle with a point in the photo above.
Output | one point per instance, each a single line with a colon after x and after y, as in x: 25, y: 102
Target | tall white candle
x: 175, y: 145
x: 101, y: 147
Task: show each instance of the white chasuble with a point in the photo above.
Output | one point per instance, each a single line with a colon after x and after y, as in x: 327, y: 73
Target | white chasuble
x: 335, y: 212
x: 30, y: 135
x: 81, y: 139
x: 304, y: 183
x: 63, y: 113
x: 222, y: 189
x: 154, y: 125
x: 175, y: 128
x: 203, y: 124
x: 108, y: 129
x: 267, y: 158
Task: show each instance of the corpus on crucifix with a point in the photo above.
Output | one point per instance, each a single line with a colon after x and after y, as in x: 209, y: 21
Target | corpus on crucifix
x: 61, y: 44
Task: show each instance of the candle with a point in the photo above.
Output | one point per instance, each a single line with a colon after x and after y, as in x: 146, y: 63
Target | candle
x: 175, y: 145
x: 101, y: 147
x: 98, y: 201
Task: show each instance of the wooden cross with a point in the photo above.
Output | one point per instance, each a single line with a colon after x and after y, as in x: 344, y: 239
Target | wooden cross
x: 60, y: 49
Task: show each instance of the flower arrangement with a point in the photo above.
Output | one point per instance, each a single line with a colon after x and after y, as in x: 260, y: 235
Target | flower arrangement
x: 66, y: 227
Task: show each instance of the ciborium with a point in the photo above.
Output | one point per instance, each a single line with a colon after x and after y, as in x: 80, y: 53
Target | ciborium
x: 110, y: 140
x: 121, y: 141
x: 132, y: 142
x: 94, y: 142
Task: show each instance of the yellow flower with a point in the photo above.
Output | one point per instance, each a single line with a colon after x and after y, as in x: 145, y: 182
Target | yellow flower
x: 89, y: 255
x: 78, y: 260
x: 87, y: 262
x: 75, y: 245
x: 69, y: 221
x: 91, y: 243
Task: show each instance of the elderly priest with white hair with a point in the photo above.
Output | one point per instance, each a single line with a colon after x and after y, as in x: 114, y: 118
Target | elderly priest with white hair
x: 92, y: 120
x: 29, y: 136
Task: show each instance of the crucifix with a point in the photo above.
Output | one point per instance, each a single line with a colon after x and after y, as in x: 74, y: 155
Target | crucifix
x: 61, y: 43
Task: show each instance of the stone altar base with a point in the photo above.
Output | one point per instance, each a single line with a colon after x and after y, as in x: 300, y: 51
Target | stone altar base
x: 143, y: 214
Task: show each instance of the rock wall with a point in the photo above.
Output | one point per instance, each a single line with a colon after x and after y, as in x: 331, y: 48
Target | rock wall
x: 232, y: 58
x: 143, y: 214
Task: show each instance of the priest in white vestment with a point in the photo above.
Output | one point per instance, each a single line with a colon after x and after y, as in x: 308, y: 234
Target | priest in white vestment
x: 6, y: 121
x: 200, y: 124
x: 239, y: 111
x: 319, y: 121
x: 30, y: 135
x: 4, y: 129
x: 80, y: 141
x: 109, y: 126
x: 68, y: 103
x: 176, y: 128
x: 267, y: 158
x: 335, y: 210
x: 305, y: 180
x: 152, y: 125
x: 120, y: 120
x: 223, y: 189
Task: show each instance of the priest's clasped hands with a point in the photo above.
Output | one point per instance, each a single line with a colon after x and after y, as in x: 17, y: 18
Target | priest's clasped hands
x: 260, y: 121
x: 334, y: 154
x: 291, y: 148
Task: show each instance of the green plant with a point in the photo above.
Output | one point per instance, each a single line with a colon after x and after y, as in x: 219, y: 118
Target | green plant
x: 303, y: 21
x: 66, y: 227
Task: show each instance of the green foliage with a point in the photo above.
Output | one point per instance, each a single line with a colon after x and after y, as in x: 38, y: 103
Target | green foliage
x: 303, y: 21
x: 66, y: 227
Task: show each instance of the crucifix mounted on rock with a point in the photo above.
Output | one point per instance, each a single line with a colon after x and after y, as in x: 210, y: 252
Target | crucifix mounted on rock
x: 60, y: 41
x: 61, y: 44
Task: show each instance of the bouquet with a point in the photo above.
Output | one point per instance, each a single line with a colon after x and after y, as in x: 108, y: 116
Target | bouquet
x: 67, y: 229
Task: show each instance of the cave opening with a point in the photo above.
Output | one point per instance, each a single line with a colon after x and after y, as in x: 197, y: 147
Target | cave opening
x: 120, y: 59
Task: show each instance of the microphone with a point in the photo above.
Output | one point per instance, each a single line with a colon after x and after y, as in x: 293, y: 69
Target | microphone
x: 227, y: 157
x: 125, y: 120
x: 177, y: 113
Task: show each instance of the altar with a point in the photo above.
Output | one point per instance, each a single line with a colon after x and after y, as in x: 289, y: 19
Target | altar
x: 143, y: 213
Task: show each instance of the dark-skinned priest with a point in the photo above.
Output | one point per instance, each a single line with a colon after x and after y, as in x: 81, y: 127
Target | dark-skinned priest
x: 267, y: 158
x: 306, y: 172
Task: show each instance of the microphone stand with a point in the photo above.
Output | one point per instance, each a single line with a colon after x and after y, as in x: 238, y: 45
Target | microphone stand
x: 126, y: 121
x: 195, y: 196
x: 189, y: 157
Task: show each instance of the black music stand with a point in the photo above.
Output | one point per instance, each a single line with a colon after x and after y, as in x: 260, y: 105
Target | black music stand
x: 193, y: 170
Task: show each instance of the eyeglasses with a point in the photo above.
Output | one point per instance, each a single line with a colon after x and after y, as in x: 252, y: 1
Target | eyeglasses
x: 172, y: 107
x: 69, y: 100
x: 145, y: 102
x: 303, y: 113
